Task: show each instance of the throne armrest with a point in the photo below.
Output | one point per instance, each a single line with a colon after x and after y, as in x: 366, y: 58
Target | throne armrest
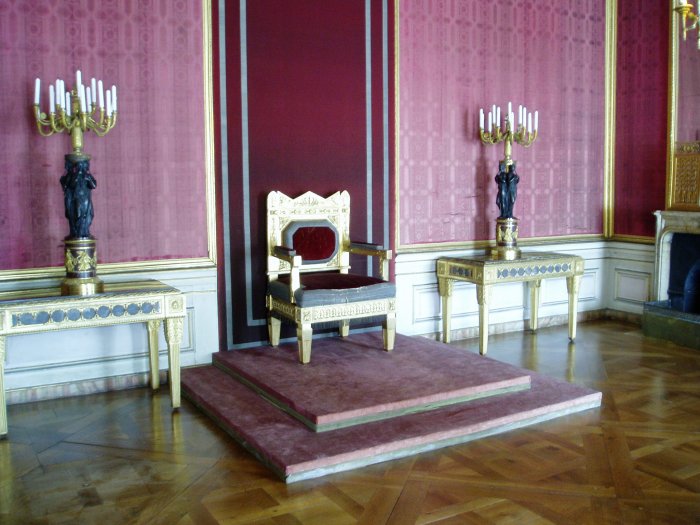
x: 373, y: 250
x: 289, y: 255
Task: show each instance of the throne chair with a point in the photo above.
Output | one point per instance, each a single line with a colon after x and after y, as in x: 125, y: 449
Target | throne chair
x: 308, y: 263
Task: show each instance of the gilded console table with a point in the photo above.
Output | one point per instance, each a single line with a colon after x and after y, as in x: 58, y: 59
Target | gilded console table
x: 484, y: 271
x: 45, y: 310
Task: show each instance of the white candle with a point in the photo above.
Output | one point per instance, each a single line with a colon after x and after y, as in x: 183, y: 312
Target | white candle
x: 510, y: 109
x: 109, y: 103
x: 481, y: 119
x: 101, y: 95
x: 498, y: 116
x: 88, y: 98
x: 81, y: 94
x: 520, y: 114
x: 529, y: 123
x: 536, y: 120
x: 68, y: 104
x: 78, y: 80
x: 93, y: 89
x: 37, y: 91
x: 114, y: 97
x: 52, y: 102
x: 490, y: 121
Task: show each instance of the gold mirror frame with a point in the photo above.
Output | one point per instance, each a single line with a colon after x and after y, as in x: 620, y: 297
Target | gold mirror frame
x: 682, y: 158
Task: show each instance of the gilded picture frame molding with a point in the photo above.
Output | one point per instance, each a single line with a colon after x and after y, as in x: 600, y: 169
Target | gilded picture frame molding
x: 210, y: 191
x: 609, y: 154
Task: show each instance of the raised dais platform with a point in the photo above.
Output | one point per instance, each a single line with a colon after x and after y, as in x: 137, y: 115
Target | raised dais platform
x: 295, y: 452
x: 352, y: 381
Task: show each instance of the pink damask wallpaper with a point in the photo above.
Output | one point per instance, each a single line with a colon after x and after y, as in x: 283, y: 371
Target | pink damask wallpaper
x: 150, y: 196
x: 456, y: 56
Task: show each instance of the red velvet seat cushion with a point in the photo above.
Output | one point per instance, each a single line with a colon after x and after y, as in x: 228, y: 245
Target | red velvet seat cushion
x: 320, y: 288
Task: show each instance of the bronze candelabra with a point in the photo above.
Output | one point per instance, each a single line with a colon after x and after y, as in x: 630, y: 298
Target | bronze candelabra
x: 494, y: 131
x: 75, y: 112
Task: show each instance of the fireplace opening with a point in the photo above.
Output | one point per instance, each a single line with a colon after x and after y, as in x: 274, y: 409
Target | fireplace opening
x: 684, y: 275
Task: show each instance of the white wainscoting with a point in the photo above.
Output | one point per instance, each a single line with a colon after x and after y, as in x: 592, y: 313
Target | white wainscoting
x: 618, y: 276
x: 75, y: 362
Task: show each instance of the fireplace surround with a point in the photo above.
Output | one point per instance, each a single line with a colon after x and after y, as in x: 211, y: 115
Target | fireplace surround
x: 660, y: 319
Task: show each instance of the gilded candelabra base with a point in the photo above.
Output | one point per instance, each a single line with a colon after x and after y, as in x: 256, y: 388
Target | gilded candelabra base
x: 81, y: 267
x: 506, y: 239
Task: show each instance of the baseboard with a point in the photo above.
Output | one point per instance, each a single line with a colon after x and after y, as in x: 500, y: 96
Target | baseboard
x: 543, y: 322
x: 81, y: 388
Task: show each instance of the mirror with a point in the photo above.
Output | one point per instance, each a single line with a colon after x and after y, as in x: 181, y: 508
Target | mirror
x: 688, y: 101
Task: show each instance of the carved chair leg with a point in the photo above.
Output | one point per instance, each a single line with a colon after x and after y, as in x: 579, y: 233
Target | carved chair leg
x: 344, y: 328
x: 389, y: 329
x: 304, y: 335
x: 273, y: 329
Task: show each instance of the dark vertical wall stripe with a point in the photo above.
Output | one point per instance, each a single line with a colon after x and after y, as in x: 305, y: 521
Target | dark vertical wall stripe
x: 307, y: 111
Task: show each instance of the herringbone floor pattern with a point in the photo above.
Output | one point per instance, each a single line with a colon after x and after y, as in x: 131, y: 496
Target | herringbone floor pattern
x: 124, y: 458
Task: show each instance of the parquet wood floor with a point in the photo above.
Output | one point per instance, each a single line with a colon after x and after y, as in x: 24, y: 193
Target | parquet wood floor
x: 122, y: 457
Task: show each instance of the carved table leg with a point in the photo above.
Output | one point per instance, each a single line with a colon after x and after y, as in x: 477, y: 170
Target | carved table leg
x: 483, y: 295
x: 445, y: 287
x: 3, y: 409
x: 573, y: 284
x: 153, y: 327
x: 534, y: 303
x: 173, y: 335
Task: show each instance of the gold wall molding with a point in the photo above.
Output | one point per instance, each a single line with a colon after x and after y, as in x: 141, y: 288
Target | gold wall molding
x: 610, y: 94
x: 483, y: 244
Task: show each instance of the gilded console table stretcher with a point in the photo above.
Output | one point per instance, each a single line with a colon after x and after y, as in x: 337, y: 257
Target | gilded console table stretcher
x: 45, y: 310
x: 485, y: 271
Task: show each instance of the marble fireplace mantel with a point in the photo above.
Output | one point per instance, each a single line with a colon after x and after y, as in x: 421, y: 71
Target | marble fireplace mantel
x: 668, y: 223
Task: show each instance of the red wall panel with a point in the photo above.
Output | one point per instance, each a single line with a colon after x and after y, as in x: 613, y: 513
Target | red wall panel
x: 641, y: 107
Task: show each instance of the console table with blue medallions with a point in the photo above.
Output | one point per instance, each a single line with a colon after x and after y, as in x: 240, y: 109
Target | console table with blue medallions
x: 45, y: 310
x: 485, y: 271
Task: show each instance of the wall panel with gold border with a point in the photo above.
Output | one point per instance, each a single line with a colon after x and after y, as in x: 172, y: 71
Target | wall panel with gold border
x: 154, y: 201
x: 450, y: 63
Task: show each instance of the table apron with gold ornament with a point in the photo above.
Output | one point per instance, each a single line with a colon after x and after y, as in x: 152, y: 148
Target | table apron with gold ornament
x: 63, y: 312
x: 530, y: 267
